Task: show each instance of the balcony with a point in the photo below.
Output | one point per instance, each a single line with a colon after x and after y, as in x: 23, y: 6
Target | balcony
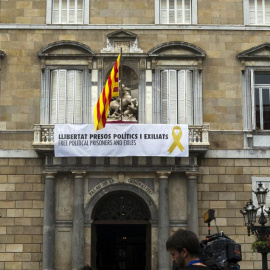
x: 44, y: 138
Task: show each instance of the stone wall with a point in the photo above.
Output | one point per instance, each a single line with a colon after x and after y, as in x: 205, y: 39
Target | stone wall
x: 23, y: 12
x: 220, y: 12
x: 222, y: 97
x: 122, y: 12
x: 21, y: 207
x: 225, y: 185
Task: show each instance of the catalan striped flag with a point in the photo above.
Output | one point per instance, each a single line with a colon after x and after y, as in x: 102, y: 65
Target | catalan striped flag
x: 110, y: 90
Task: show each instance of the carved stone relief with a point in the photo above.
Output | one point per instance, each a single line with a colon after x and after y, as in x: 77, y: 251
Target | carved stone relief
x: 125, y: 45
x: 122, y: 39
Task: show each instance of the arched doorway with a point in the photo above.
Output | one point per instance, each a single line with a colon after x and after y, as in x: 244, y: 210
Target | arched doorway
x: 121, y: 233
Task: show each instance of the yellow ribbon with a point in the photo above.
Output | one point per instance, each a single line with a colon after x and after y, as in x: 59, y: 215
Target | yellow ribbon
x: 176, y: 140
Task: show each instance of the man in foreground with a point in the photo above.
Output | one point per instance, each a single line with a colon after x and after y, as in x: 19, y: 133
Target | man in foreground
x: 184, y: 247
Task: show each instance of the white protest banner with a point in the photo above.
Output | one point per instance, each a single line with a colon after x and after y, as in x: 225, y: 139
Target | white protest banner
x: 119, y: 140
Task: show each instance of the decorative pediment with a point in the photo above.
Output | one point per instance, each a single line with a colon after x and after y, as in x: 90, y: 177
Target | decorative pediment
x: 177, y: 49
x: 120, y: 34
x: 65, y: 48
x: 260, y: 52
x: 122, y: 39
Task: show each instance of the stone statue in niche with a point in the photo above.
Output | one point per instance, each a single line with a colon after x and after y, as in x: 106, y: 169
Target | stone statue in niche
x: 124, y: 108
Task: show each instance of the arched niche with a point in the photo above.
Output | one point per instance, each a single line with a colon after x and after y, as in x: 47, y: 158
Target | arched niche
x: 126, y: 106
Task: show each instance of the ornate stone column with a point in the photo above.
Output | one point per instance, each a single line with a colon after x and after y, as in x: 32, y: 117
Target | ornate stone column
x: 192, y: 202
x: 78, y: 221
x: 49, y: 222
x: 163, y: 221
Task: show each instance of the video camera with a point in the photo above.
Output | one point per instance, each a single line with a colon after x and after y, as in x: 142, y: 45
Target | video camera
x: 218, y: 251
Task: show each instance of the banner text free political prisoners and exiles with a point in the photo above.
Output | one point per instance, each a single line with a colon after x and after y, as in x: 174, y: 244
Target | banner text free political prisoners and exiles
x: 118, y: 140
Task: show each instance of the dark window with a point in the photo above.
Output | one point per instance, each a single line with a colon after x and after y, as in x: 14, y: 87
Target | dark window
x: 262, y: 100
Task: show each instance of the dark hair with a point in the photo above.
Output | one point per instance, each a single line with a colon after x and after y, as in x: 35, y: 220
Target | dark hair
x: 87, y: 267
x: 184, y: 239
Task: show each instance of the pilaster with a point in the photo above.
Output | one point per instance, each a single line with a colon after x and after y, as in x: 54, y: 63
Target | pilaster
x: 49, y: 222
x: 78, y: 221
x: 192, y: 202
x: 163, y: 221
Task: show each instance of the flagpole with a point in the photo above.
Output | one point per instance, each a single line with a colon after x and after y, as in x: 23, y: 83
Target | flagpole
x: 111, y: 89
x: 120, y: 83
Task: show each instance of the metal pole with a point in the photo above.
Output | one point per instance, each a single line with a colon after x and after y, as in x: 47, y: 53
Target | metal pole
x: 264, y: 261
x: 120, y: 84
x: 209, y: 228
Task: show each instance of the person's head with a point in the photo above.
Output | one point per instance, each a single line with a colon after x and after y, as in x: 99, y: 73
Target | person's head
x: 184, y: 246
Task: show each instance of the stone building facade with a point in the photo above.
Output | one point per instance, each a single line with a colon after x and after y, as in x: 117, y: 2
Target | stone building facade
x: 62, y: 213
